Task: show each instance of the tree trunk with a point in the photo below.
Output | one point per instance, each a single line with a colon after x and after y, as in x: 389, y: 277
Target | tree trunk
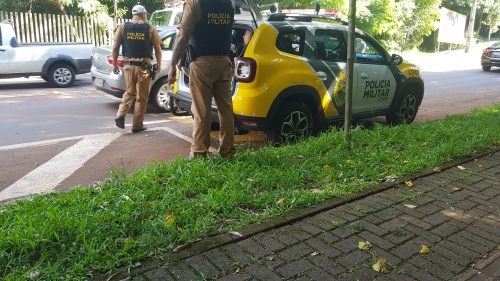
x: 489, y: 28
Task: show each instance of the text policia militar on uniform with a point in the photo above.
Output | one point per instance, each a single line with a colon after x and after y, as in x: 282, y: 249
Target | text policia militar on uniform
x: 219, y: 18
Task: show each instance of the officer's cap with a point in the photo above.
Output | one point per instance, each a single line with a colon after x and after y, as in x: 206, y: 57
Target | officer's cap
x: 138, y: 9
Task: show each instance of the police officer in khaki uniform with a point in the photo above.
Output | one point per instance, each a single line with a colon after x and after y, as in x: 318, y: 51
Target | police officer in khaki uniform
x: 207, y: 26
x: 137, y: 39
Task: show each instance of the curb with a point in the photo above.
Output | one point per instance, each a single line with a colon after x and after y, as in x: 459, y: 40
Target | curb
x: 480, y: 266
x: 185, y: 251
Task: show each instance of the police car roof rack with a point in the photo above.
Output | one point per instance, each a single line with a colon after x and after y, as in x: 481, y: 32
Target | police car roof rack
x: 304, y: 17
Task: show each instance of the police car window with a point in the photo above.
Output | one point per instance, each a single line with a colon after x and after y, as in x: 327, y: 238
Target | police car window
x: 161, y: 18
x: 291, y: 42
x: 367, y: 52
x: 330, y: 45
x: 168, y: 42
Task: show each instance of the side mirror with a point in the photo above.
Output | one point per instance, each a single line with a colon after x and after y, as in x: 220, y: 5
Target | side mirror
x: 13, y: 42
x: 396, y: 59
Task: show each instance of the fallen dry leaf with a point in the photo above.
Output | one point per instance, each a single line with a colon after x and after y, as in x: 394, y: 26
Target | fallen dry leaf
x: 449, y: 158
x: 34, y: 274
x: 269, y: 258
x: 424, y: 250
x: 313, y: 254
x: 169, y: 219
x: 237, y: 270
x: 462, y: 168
x: 390, y: 179
x: 326, y: 167
x: 366, y: 245
x: 281, y: 201
x: 436, y: 169
x: 410, y: 206
x: 409, y: 183
x: 236, y: 233
x: 180, y: 247
x: 381, y: 266
x: 349, y: 162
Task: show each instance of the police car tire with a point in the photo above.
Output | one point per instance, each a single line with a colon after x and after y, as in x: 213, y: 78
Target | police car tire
x: 295, y: 116
x: 406, y: 107
x: 61, y: 75
x: 486, y: 67
x: 160, y: 100
x: 45, y: 78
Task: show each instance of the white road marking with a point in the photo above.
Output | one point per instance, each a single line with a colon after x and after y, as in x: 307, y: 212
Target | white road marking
x: 186, y: 138
x: 177, y: 134
x: 45, y: 142
x: 47, y: 176
x: 153, y: 122
x: 55, y: 141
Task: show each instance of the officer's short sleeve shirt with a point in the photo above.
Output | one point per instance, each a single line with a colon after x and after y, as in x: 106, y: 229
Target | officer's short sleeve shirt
x: 190, y: 16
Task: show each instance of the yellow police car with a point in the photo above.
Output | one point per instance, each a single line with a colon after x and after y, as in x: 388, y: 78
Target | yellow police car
x: 290, y: 81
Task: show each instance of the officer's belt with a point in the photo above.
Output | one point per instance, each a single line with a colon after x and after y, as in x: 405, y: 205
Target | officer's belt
x: 136, y: 63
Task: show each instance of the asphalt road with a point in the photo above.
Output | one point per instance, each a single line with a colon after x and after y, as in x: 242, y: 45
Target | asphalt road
x: 30, y: 110
x: 55, y: 138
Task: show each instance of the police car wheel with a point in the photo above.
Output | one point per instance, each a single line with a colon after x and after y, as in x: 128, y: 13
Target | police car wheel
x: 159, y: 94
x: 293, y: 123
x: 486, y: 67
x: 61, y: 75
x: 406, y: 108
x: 45, y: 78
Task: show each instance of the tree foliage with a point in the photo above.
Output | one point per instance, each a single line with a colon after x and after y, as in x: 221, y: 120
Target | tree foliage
x: 398, y: 24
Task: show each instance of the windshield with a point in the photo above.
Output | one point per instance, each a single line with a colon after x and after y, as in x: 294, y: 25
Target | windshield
x: 161, y: 17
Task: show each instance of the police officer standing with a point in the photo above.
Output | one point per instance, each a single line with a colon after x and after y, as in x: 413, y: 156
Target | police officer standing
x: 207, y: 26
x: 137, y: 39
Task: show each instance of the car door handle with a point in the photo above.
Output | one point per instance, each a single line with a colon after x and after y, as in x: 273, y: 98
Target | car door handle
x: 364, y: 75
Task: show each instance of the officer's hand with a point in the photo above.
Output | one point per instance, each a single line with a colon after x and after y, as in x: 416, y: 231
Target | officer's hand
x: 172, y: 71
x: 116, y: 70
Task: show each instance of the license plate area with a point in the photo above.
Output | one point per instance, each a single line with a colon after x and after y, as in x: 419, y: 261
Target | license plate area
x: 99, y: 82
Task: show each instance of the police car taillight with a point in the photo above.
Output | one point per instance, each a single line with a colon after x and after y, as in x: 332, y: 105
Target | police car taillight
x: 245, y: 69
x: 487, y: 51
x: 119, y: 61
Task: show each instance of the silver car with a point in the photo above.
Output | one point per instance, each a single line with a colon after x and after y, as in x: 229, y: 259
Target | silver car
x: 105, y: 80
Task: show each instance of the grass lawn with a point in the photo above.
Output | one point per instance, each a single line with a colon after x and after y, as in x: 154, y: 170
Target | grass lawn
x: 69, y: 235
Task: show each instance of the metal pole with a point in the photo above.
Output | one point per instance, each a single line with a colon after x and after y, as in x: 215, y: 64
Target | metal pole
x: 350, y: 71
x: 470, y: 30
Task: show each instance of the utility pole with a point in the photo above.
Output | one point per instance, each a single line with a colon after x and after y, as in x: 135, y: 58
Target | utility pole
x: 470, y: 29
x: 351, y: 36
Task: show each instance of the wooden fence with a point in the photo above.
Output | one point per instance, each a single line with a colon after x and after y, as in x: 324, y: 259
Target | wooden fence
x: 46, y: 28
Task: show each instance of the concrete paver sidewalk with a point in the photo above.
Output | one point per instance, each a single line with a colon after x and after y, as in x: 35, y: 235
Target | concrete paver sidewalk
x: 455, y: 213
